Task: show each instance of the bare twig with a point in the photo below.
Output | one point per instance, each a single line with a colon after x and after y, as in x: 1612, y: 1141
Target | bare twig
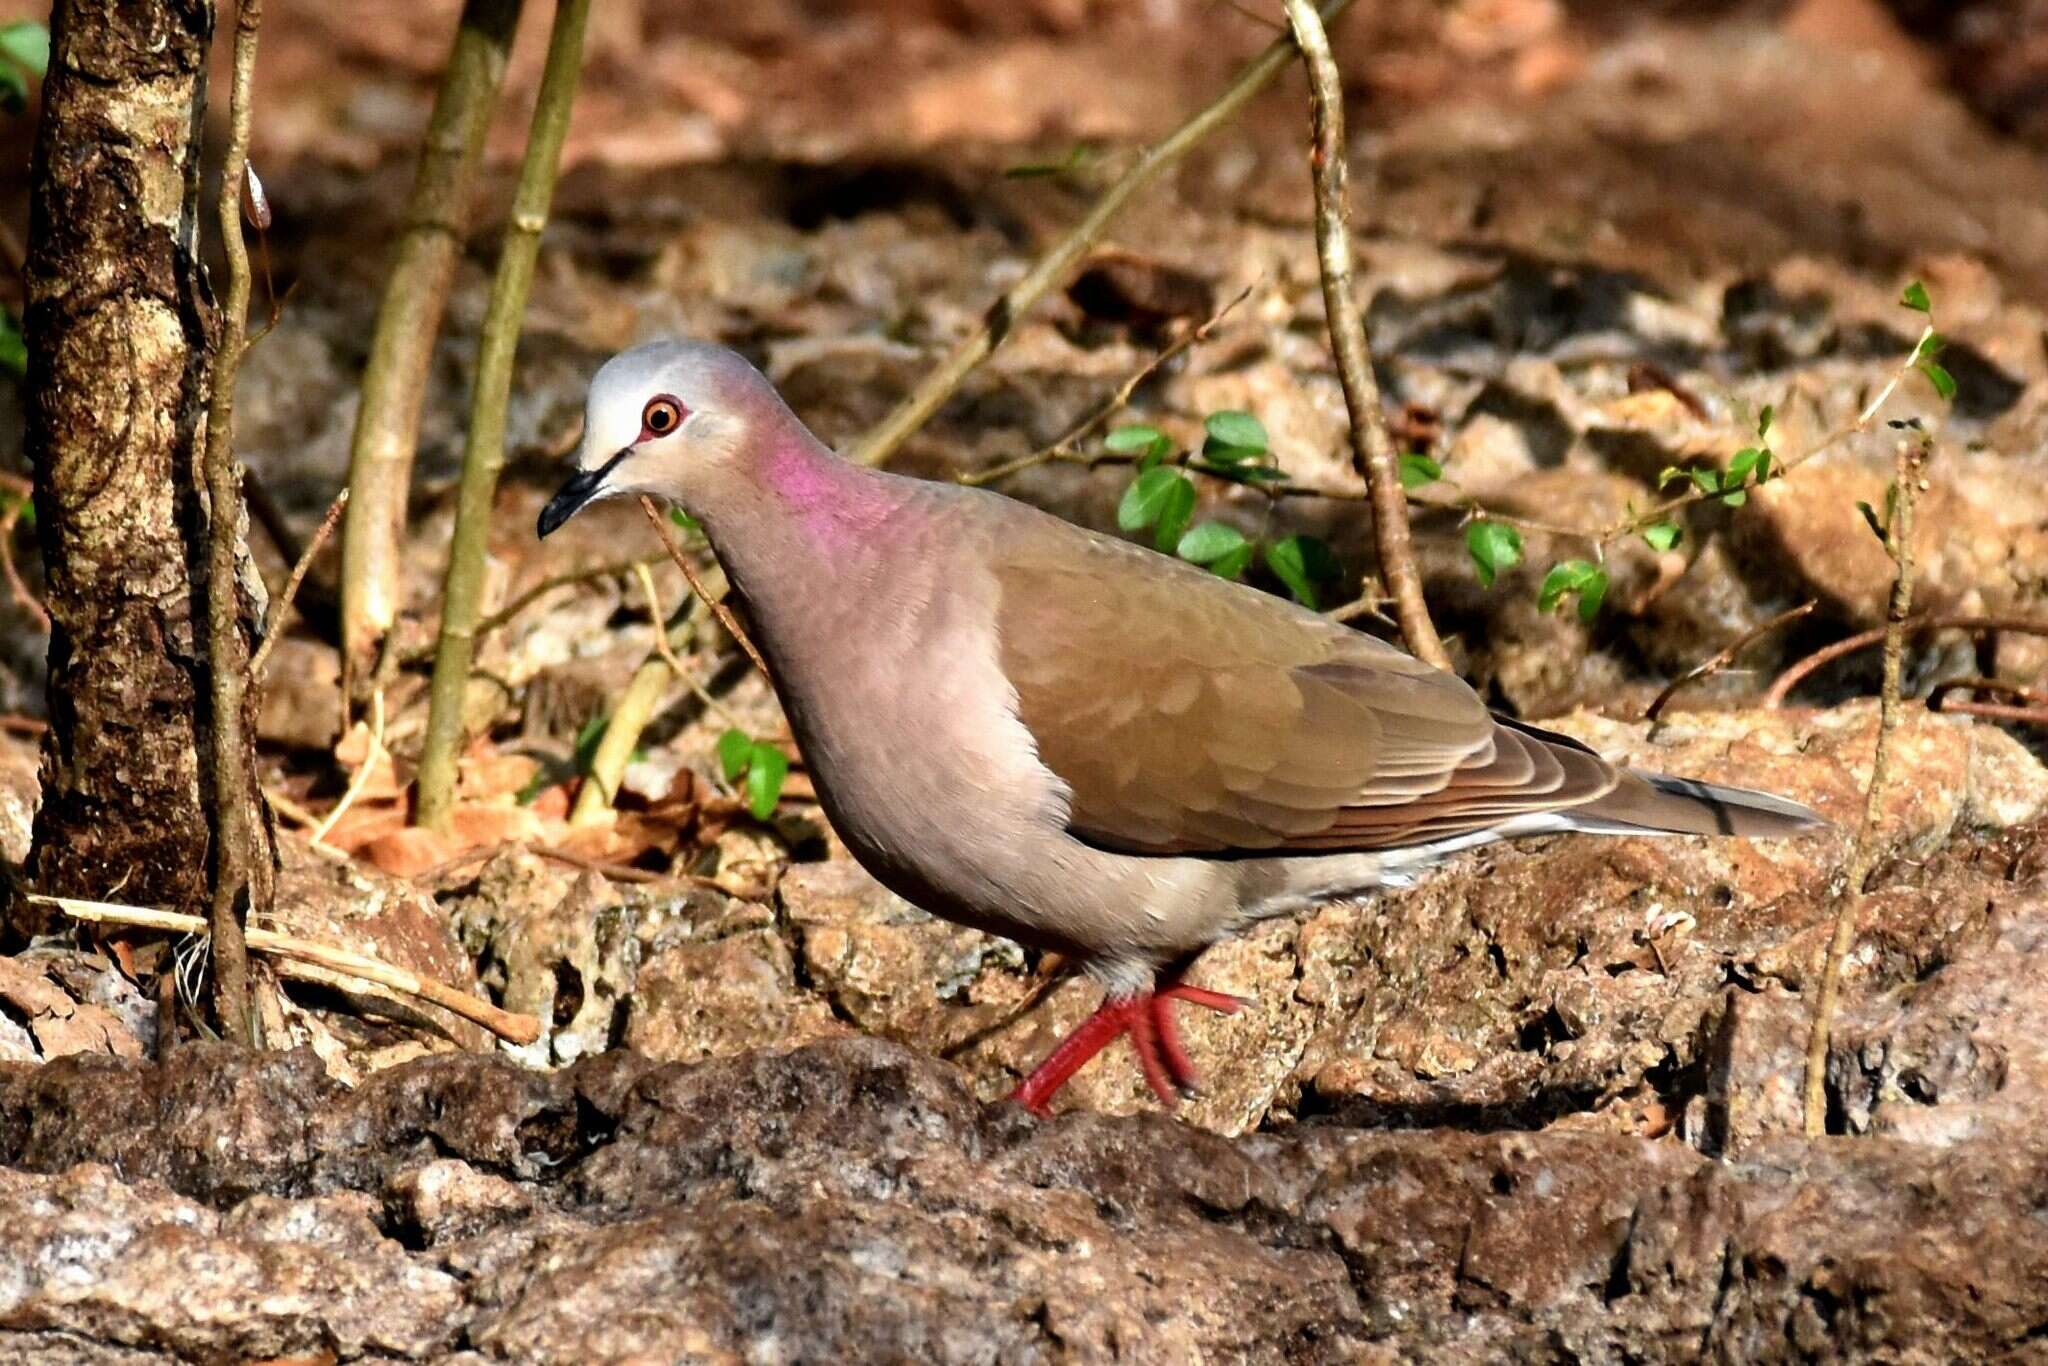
x: 715, y: 602
x: 372, y: 754
x: 1052, y: 269
x: 2035, y: 715
x: 241, y: 871
x: 483, y: 457
x: 1937, y: 696
x: 1068, y: 445
x: 408, y: 319
x: 283, y: 603
x: 1372, y: 448
x: 15, y: 584
x: 659, y: 618
x: 1724, y: 657
x: 1898, y: 536
x: 513, y: 1028
x: 1782, y: 687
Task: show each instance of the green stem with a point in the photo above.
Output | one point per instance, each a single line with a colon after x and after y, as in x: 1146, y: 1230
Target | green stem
x: 483, y: 456
x: 408, y: 321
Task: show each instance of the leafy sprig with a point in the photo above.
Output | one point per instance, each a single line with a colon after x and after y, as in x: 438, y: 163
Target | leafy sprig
x: 762, y: 765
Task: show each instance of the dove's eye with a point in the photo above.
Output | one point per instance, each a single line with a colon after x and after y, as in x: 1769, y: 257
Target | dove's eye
x: 661, y: 416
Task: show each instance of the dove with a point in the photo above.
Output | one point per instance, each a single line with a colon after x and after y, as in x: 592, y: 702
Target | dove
x: 1070, y: 740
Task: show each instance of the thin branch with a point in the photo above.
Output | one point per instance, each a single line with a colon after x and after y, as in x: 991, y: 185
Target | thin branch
x: 1067, y: 446
x: 1782, y: 687
x: 1724, y: 657
x: 408, y: 321
x: 1055, y: 267
x: 1937, y: 697
x: 498, y: 620
x: 659, y: 619
x: 483, y: 457
x: 361, y: 779
x: 283, y: 604
x: 240, y: 886
x: 507, y: 1025
x: 2036, y: 715
x: 1898, y: 535
x: 15, y: 583
x: 1372, y: 448
x: 715, y: 603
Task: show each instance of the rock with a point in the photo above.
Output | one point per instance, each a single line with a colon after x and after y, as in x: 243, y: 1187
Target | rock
x: 40, y: 1017
x: 852, y: 1200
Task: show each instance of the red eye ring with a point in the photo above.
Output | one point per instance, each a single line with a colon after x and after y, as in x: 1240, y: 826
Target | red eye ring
x: 661, y: 417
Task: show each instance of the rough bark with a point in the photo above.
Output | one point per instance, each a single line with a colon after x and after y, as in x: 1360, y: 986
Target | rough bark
x: 119, y: 324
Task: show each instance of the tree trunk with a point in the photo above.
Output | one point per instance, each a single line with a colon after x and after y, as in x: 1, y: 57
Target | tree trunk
x: 119, y: 326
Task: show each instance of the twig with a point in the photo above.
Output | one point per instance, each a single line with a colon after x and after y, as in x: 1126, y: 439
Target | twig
x: 1069, y: 443
x: 15, y: 584
x: 1782, y: 687
x: 240, y: 879
x: 283, y: 604
x: 668, y: 654
x: 1898, y: 536
x: 1372, y: 448
x: 715, y: 603
x: 373, y: 752
x: 408, y: 320
x: 483, y: 456
x: 2036, y: 715
x: 1724, y: 657
x: 1937, y: 697
x: 507, y: 1025
x: 498, y: 620
x: 1052, y: 269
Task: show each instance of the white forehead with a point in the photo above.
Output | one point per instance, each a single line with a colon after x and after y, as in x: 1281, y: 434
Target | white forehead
x: 701, y: 374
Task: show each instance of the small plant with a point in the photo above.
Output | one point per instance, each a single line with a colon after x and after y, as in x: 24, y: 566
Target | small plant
x: 24, y: 54
x: 762, y: 765
x: 1161, y: 499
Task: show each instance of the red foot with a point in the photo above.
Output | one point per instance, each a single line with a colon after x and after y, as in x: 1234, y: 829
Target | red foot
x: 1149, y: 1023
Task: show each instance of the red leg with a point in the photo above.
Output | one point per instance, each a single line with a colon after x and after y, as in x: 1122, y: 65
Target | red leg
x: 1154, y: 1037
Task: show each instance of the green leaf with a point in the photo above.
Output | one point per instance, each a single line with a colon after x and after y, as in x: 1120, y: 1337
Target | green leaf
x: 1232, y: 564
x: 1574, y: 578
x: 684, y: 520
x: 1735, y: 499
x: 735, y: 749
x: 1763, y: 421
x: 27, y: 43
x: 1208, y: 542
x: 1662, y: 535
x: 1175, y: 511
x: 1303, y: 563
x: 1708, y: 480
x: 1245, y: 474
x: 1931, y: 345
x: 1233, y: 436
x: 1739, y: 468
x: 1944, y: 383
x: 766, y: 769
x: 1418, y: 470
x: 1146, y: 498
x: 1148, y: 443
x: 1494, y: 546
x: 1916, y: 298
x: 1671, y: 474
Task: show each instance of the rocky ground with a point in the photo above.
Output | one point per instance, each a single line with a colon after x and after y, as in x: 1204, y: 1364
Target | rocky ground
x: 1544, y: 1106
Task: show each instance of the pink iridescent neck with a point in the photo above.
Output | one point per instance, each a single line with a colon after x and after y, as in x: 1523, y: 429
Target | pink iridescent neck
x: 830, y: 500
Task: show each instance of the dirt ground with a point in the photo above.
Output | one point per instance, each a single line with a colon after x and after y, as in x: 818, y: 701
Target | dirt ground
x: 1543, y: 1106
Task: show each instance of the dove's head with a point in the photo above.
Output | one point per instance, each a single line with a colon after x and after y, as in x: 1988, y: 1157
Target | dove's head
x: 665, y: 418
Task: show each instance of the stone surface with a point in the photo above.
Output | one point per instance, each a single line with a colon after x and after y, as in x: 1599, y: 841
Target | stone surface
x: 852, y: 1200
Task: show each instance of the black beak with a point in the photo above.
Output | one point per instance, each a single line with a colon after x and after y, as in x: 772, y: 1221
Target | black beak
x: 570, y: 498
